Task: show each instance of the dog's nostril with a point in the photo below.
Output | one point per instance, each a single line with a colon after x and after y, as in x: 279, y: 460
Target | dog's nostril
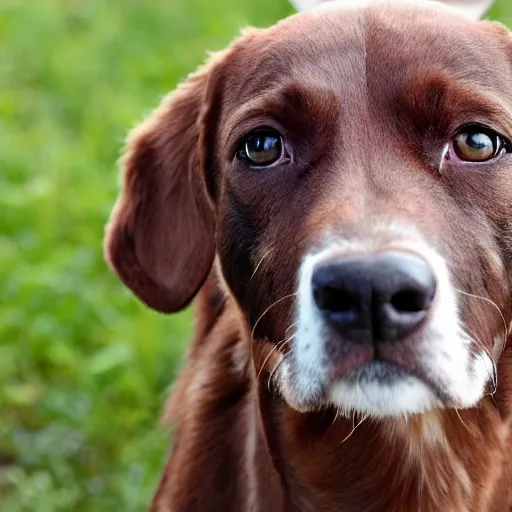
x: 331, y: 299
x: 410, y: 301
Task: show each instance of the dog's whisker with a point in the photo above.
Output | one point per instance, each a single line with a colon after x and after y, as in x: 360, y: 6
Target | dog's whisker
x: 460, y: 418
x: 275, y: 348
x: 364, y: 418
x: 273, y: 372
x: 492, y: 303
x: 493, y: 398
x: 291, y: 326
x: 259, y: 264
x: 494, y: 376
x: 336, y: 416
x: 269, y: 308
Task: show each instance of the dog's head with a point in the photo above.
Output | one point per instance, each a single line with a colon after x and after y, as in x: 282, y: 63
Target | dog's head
x: 349, y: 171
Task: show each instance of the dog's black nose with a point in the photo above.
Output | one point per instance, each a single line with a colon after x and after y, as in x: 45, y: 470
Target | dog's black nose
x: 378, y: 298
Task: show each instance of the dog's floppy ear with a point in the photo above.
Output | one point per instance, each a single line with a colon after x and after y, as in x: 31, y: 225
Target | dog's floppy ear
x: 473, y: 9
x: 160, y: 238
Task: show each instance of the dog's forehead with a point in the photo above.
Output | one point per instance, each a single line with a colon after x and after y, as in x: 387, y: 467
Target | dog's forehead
x: 386, y: 37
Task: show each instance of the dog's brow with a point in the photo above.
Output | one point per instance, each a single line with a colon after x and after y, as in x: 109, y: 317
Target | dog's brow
x: 489, y: 106
x: 274, y: 103
x: 456, y: 100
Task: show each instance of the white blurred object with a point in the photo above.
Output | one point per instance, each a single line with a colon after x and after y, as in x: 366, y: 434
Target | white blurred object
x: 473, y: 9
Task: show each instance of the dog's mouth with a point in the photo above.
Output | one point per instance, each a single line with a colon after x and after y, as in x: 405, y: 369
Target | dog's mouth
x: 385, y: 374
x: 386, y: 366
x: 377, y: 372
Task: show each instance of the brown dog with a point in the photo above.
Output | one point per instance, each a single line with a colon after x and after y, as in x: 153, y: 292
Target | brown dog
x: 336, y: 193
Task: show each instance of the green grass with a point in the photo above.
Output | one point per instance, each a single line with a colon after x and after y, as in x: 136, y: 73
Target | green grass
x: 84, y: 367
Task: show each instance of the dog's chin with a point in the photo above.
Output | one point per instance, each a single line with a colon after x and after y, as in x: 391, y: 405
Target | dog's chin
x: 376, y: 389
x: 379, y: 389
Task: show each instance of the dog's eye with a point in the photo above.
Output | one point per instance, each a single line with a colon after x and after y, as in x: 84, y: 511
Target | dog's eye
x: 477, y: 144
x: 261, y: 148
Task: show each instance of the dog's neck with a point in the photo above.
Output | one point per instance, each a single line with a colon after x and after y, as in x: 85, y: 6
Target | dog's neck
x: 436, y: 461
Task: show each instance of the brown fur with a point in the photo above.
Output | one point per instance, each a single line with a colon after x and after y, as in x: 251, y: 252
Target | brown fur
x: 366, y: 98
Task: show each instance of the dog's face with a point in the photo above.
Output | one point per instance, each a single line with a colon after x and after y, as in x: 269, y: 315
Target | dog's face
x: 350, y: 173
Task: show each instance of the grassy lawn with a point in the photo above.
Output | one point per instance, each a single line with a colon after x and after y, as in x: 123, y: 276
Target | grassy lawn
x: 84, y: 368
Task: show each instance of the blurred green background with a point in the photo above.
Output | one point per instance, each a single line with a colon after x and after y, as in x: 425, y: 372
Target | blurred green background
x: 84, y: 367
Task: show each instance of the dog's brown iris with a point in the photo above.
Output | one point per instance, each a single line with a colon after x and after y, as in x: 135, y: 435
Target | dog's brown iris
x: 476, y: 145
x: 261, y: 148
